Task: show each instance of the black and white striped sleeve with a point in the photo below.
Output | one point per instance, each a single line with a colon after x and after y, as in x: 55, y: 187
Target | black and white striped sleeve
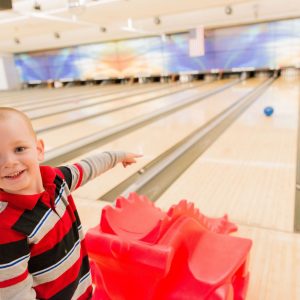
x: 92, y: 166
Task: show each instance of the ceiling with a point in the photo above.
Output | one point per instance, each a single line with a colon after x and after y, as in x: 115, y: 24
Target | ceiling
x: 45, y: 24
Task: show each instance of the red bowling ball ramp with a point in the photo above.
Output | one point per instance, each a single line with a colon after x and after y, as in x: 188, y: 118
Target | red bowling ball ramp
x: 140, y: 252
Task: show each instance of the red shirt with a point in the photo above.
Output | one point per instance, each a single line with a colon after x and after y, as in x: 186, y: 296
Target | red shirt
x: 42, y: 250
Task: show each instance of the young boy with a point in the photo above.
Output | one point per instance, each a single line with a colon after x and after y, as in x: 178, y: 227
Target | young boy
x: 42, y: 249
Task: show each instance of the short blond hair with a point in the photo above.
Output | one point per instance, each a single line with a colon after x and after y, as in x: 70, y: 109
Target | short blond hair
x: 7, y: 112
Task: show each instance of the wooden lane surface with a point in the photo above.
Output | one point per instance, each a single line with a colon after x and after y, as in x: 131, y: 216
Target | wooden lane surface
x: 45, y: 96
x: 274, y: 263
x: 81, y: 129
x: 30, y: 98
x: 20, y: 97
x: 151, y: 141
x: 97, y: 107
x: 249, y: 173
x: 68, y: 101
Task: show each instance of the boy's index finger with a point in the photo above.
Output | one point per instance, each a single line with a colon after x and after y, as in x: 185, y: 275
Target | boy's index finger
x: 133, y: 155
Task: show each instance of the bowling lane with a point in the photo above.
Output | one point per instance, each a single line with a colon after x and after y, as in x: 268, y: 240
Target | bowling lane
x: 64, y: 95
x: 19, y: 95
x: 249, y: 172
x: 68, y: 101
x: 31, y: 98
x: 67, y: 134
x: 153, y: 139
x: 35, y: 96
x: 123, y: 99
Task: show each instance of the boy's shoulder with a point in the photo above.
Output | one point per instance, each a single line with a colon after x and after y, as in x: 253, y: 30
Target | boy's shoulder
x: 8, y: 216
x: 49, y: 173
x: 54, y: 175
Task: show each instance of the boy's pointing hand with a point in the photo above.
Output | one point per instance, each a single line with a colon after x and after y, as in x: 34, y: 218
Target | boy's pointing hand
x: 130, y: 159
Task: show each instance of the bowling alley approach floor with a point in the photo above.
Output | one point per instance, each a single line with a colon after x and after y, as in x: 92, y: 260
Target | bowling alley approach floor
x: 248, y: 173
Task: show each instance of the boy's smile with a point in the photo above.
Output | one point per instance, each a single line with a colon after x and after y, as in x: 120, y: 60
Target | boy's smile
x: 20, y: 154
x: 15, y: 175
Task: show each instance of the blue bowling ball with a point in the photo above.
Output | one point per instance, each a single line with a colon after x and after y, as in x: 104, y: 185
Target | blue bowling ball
x: 268, y: 111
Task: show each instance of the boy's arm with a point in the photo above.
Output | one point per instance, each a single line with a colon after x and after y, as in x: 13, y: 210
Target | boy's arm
x: 15, y: 280
x: 87, y: 169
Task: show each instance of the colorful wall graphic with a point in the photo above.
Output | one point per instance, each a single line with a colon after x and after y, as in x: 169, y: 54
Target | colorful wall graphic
x: 264, y: 45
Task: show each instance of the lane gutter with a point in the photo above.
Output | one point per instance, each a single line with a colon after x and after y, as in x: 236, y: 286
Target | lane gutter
x: 153, y: 179
x: 78, y: 147
x: 297, y: 193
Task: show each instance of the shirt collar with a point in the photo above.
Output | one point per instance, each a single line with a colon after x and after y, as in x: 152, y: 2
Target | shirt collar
x: 29, y: 201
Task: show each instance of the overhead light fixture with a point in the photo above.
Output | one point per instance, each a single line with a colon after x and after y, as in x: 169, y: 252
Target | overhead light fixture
x: 129, y: 26
x: 76, y: 7
x: 37, y: 6
x: 129, y: 23
x: 132, y: 28
x: 255, y: 10
x: 156, y: 20
x: 76, y: 3
x: 17, y: 41
x: 228, y: 10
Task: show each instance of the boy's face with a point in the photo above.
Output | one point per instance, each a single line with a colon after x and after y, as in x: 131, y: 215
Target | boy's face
x: 20, y: 154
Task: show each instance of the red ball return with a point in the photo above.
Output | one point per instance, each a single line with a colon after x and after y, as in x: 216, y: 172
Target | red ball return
x: 139, y: 252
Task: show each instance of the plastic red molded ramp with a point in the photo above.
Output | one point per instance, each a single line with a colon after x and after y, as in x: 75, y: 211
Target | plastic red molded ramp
x: 139, y: 252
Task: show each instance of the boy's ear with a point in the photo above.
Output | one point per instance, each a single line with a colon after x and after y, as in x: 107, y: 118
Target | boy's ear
x: 40, y: 149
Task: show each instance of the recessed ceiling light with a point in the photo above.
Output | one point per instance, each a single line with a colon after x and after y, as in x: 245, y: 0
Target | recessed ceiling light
x: 17, y: 41
x: 228, y: 10
x: 37, y: 6
x: 156, y: 20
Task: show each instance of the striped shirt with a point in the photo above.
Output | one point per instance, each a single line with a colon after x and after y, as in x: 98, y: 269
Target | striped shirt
x: 42, y: 248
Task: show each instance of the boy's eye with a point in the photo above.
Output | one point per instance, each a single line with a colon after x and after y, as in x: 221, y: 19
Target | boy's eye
x: 19, y: 149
